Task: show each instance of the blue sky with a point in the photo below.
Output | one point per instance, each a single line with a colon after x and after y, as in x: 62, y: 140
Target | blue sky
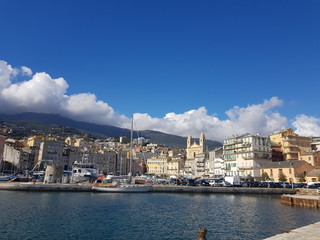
x: 160, y: 57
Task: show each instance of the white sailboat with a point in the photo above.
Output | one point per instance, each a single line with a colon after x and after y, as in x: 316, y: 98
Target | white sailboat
x: 125, y: 187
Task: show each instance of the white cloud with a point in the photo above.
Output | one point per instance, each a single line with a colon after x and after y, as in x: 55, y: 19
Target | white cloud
x: 252, y: 119
x: 86, y: 107
x: 6, y: 73
x: 42, y: 93
x: 26, y: 71
x: 307, y: 126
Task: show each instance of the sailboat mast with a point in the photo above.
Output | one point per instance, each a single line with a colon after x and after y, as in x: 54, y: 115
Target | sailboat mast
x: 131, y: 139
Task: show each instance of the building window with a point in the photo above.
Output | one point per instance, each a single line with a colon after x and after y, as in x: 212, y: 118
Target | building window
x: 280, y: 171
x: 289, y: 170
x: 271, y: 173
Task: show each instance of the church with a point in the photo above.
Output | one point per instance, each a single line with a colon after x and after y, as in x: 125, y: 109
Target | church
x: 196, y: 155
x: 193, y: 148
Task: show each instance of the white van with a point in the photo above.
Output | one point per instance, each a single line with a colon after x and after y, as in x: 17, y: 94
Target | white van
x: 234, y: 180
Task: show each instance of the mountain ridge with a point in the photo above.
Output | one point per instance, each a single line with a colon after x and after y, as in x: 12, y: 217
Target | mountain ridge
x: 104, y: 130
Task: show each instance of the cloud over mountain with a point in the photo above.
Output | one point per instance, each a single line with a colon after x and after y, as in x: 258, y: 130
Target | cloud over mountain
x: 252, y: 119
x: 42, y: 93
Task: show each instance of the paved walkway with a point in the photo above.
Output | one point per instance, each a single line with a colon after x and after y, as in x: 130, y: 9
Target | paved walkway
x: 310, y: 232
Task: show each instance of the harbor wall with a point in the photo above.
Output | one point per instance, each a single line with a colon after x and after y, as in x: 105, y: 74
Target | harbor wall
x: 231, y: 190
x: 301, y: 201
x: 16, y: 186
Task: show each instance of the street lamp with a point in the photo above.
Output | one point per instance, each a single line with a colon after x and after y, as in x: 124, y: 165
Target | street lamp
x: 291, y: 164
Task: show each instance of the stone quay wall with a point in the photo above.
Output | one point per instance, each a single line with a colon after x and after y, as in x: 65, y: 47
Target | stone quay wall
x: 301, y: 201
x: 53, y: 187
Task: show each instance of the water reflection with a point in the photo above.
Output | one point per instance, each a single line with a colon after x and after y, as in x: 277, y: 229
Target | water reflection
x: 146, y: 216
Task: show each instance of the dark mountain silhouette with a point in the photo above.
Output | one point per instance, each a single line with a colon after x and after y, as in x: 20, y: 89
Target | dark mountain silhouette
x: 101, y: 130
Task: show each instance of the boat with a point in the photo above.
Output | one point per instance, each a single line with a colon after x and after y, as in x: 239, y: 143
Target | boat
x: 7, y: 178
x: 83, y: 172
x: 124, y: 186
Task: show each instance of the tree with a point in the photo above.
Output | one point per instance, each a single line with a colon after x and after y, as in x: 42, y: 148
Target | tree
x: 282, y: 177
x: 301, y: 178
x: 250, y: 178
x: 265, y: 176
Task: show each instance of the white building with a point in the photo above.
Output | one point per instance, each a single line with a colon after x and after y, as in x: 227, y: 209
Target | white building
x: 244, y: 154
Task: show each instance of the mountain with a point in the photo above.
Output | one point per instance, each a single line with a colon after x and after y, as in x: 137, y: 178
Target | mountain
x: 41, y: 119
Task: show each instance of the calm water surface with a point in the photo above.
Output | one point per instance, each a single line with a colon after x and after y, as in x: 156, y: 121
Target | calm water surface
x: 150, y: 216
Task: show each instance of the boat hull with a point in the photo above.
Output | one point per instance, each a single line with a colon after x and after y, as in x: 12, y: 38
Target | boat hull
x: 123, y: 189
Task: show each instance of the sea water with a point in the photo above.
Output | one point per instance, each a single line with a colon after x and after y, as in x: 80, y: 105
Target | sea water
x: 149, y: 216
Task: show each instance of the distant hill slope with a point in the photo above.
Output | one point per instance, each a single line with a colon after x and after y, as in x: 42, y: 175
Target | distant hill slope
x: 104, y: 130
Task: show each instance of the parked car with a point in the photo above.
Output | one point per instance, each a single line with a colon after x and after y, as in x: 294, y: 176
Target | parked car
x: 299, y: 185
x: 175, y: 181
x: 313, y: 185
x: 286, y: 185
x: 250, y: 184
x: 189, y: 182
x: 221, y: 183
x: 202, y: 182
x: 211, y: 182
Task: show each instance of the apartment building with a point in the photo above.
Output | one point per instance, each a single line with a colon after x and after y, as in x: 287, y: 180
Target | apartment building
x: 51, y: 152
x: 292, y: 145
x: 292, y: 170
x: 244, y: 154
x: 175, y: 166
x: 157, y: 165
x: 214, y: 165
x: 16, y: 157
x: 313, y: 158
x: 2, y: 141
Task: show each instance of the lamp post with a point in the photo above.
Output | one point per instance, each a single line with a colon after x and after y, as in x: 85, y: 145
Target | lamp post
x: 291, y: 164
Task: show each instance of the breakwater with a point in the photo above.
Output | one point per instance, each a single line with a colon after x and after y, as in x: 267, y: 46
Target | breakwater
x: 301, y: 201
x: 40, y: 187
x: 309, y: 232
x: 231, y: 190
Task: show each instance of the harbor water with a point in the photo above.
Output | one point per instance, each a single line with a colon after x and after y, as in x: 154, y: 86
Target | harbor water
x: 52, y: 215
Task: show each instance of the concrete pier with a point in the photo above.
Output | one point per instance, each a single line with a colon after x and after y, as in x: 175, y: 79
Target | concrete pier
x: 54, y: 187
x: 41, y: 187
x: 231, y: 190
x: 309, y: 198
x: 301, y: 201
x: 310, y: 232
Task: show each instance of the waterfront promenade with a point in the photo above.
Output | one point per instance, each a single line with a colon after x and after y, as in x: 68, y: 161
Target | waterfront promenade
x: 39, y: 187
x: 309, y: 232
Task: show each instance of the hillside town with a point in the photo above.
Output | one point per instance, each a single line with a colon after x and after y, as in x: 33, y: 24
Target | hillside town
x: 283, y: 156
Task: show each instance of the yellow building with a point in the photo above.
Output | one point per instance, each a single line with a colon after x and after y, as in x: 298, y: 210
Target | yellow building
x: 312, y: 158
x: 35, y: 141
x: 292, y: 145
x: 313, y: 176
x: 194, y: 148
x: 290, y: 169
x: 157, y: 165
x: 175, y: 166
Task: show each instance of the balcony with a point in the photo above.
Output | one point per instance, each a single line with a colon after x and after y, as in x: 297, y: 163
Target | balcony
x: 245, y: 167
x: 234, y: 142
x: 229, y: 160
